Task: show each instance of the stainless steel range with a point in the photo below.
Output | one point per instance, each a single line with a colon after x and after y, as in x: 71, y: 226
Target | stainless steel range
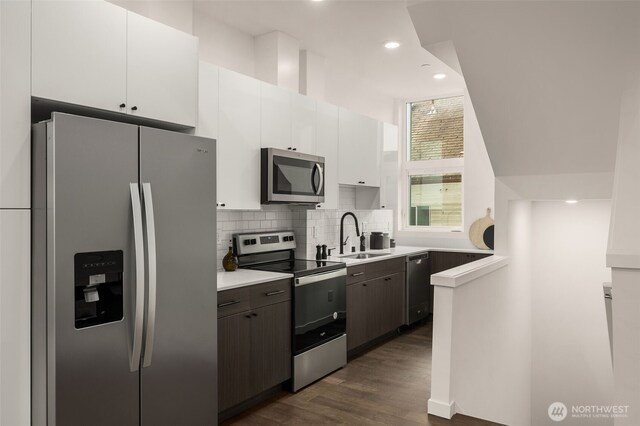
x: 319, y: 338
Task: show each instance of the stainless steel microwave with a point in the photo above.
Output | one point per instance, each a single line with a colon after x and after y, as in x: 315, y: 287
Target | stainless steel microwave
x: 290, y: 177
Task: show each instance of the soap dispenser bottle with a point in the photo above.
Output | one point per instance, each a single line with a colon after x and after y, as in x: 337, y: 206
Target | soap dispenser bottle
x: 362, y: 242
x: 318, y: 253
x: 324, y: 251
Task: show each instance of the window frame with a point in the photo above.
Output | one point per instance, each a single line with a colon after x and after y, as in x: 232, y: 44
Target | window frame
x: 425, y: 167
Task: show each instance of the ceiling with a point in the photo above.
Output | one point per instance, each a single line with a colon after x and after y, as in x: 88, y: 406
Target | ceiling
x: 350, y: 35
x: 546, y: 79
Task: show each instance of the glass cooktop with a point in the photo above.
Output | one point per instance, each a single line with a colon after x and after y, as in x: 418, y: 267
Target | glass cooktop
x: 299, y: 267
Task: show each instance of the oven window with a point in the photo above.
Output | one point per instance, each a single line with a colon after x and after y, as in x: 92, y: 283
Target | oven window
x: 320, y: 313
x: 292, y: 176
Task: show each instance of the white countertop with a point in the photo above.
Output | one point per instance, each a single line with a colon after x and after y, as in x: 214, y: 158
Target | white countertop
x: 398, y: 251
x: 245, y: 277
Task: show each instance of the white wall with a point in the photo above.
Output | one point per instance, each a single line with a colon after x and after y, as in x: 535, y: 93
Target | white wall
x: 478, y: 186
x: 174, y: 13
x: 223, y: 45
x: 571, y: 360
x: 490, y: 334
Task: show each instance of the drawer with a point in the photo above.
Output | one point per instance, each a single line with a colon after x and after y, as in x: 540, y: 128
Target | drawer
x: 356, y: 274
x: 233, y: 301
x: 270, y: 293
x: 385, y: 267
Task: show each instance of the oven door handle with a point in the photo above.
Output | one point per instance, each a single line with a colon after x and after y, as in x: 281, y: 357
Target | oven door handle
x: 320, y: 277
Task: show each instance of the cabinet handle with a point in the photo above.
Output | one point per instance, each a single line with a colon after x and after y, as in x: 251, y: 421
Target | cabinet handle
x: 233, y: 302
x: 295, y: 149
x: 273, y: 293
x: 382, y: 207
x: 289, y: 148
x: 122, y: 105
x: 248, y: 316
x: 134, y: 108
x: 364, y: 285
x: 357, y: 274
x: 253, y: 314
x: 223, y: 205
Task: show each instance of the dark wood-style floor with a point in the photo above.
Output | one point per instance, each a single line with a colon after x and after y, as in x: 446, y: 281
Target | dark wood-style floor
x: 389, y: 385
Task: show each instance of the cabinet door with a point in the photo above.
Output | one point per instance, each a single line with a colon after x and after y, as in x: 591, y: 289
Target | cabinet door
x: 239, y: 142
x: 234, y: 360
x: 275, y: 122
x: 359, y: 148
x: 357, y: 308
x: 270, y: 346
x: 389, y: 165
x: 208, y: 98
x: 393, y: 309
x: 370, y: 143
x: 350, y: 162
x: 79, y: 53
x: 304, y: 123
x: 15, y: 308
x: 327, y: 147
x: 377, y: 307
x: 162, y: 72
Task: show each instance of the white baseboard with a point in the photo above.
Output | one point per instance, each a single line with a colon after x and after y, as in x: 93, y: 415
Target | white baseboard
x: 441, y: 409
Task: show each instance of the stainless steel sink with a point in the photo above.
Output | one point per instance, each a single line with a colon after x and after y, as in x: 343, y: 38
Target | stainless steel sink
x: 364, y: 255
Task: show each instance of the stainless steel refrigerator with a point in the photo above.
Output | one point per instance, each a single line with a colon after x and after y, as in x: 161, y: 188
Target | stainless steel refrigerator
x: 123, y: 275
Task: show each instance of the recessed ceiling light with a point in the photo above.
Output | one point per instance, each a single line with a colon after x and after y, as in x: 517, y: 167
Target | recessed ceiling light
x: 425, y: 65
x: 392, y: 45
x: 571, y: 201
x: 440, y: 76
x: 316, y: 0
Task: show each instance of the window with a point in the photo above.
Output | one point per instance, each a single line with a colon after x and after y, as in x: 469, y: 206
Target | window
x: 433, y: 165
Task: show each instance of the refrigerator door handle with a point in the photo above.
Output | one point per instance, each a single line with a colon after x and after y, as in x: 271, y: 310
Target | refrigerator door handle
x: 151, y: 251
x: 138, y: 318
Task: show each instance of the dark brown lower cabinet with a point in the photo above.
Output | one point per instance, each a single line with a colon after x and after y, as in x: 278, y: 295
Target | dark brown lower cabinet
x: 254, y: 352
x: 374, y: 308
x: 270, y: 346
x: 443, y: 260
x: 234, y: 359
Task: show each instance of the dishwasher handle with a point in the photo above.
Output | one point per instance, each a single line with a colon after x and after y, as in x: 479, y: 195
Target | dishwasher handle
x: 418, y: 258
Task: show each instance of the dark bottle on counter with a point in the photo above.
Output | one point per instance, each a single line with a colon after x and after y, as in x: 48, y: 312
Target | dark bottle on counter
x: 230, y: 262
x: 324, y: 251
x: 318, y: 254
x: 362, y: 242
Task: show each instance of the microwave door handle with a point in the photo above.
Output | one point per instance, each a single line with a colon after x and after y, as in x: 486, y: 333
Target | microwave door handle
x: 318, y: 168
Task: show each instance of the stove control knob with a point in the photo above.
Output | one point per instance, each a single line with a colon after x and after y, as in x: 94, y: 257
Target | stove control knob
x: 291, y: 238
x: 253, y: 241
x: 247, y: 242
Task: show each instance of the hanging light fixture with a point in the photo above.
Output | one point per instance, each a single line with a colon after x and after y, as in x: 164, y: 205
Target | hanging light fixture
x: 432, y: 109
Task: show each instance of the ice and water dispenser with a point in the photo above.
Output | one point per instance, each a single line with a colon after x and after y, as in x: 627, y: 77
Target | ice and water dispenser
x: 98, y: 288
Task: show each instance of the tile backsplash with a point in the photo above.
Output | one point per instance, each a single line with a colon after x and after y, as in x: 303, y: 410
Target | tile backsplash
x: 311, y: 226
x: 323, y: 226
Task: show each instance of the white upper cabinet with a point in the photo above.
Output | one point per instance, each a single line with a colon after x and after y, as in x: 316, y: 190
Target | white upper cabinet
x: 96, y: 54
x: 304, y: 124
x: 327, y: 147
x: 275, y: 126
x: 79, y: 53
x: 239, y: 142
x: 162, y: 72
x: 359, y: 149
x: 208, y: 101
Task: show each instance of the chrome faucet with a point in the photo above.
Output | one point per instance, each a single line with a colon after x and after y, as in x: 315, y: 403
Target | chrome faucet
x: 342, y: 241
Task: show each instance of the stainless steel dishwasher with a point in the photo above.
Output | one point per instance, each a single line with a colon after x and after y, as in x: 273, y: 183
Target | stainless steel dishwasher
x: 418, y: 291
